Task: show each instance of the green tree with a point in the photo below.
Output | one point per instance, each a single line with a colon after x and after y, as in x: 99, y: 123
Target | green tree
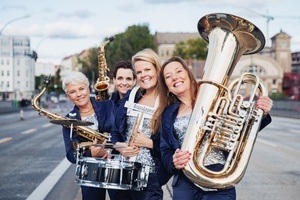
x: 90, y: 64
x: 278, y: 96
x: 123, y: 47
x: 192, y: 48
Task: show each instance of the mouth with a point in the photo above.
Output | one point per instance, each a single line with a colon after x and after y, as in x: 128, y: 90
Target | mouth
x: 178, y: 84
x: 146, y: 80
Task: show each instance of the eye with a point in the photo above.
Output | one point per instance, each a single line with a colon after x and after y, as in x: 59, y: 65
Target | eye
x: 82, y: 88
x: 167, y: 76
x: 129, y: 79
x: 120, y: 78
x: 71, y: 92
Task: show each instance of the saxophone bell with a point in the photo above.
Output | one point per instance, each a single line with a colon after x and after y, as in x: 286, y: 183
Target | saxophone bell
x: 102, y: 84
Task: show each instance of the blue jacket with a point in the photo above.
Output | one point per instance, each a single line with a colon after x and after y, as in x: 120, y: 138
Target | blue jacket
x: 118, y: 134
x: 103, y: 110
x: 169, y: 143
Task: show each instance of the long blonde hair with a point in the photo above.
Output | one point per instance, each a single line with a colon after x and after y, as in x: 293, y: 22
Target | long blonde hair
x: 151, y: 56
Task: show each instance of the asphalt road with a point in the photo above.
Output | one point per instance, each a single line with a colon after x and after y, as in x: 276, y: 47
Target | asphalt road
x: 33, y: 164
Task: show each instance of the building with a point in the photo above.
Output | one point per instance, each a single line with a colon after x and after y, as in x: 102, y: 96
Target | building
x: 165, y: 42
x: 270, y: 64
x: 296, y: 62
x: 71, y: 63
x: 45, y: 69
x: 17, y: 72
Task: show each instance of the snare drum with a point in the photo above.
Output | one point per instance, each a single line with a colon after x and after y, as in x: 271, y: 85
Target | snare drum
x: 111, y: 174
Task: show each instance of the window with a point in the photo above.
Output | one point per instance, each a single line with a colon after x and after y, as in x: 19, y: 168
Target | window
x: 254, y: 69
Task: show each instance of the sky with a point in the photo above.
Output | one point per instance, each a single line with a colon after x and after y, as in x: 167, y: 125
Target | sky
x: 60, y: 28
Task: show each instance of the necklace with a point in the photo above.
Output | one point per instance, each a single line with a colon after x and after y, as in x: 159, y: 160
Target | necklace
x: 86, y: 111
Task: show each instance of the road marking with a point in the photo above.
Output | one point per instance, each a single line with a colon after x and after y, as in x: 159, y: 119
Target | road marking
x: 29, y: 131
x: 46, y: 186
x: 293, y: 131
x: 47, y: 125
x: 5, y: 139
x: 266, y: 142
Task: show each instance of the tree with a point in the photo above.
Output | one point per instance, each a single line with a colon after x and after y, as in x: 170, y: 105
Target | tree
x: 123, y: 47
x: 90, y: 64
x: 192, y: 48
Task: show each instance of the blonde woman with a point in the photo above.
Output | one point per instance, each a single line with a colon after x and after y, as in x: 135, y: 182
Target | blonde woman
x: 141, y: 101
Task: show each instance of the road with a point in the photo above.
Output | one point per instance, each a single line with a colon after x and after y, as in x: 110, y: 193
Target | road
x: 33, y: 161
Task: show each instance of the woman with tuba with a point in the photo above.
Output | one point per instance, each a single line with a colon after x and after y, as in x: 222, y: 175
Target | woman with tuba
x: 174, y: 113
x: 77, y: 88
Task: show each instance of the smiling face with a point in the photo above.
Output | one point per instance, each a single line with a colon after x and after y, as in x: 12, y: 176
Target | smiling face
x: 177, y: 79
x: 78, y: 93
x: 147, y: 74
x: 124, y: 80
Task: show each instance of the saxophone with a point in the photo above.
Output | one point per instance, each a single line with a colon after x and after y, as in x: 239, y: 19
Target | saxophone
x: 224, y: 117
x: 80, y: 130
x: 102, y: 83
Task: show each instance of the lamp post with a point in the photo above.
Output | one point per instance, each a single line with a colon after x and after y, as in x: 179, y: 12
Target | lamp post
x: 23, y: 17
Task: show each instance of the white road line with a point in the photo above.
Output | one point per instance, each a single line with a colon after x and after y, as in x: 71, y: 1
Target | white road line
x: 47, y: 125
x: 29, y: 131
x: 266, y: 142
x: 293, y: 131
x: 5, y: 139
x: 49, y: 182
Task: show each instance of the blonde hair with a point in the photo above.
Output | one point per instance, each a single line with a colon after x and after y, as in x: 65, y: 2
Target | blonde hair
x: 151, y: 56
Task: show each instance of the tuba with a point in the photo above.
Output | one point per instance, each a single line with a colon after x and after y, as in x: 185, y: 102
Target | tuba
x: 102, y: 84
x: 224, y: 117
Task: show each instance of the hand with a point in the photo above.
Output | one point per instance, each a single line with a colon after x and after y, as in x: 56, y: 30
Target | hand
x: 265, y: 104
x: 99, y: 152
x: 127, y: 151
x: 181, y: 158
x: 142, y: 140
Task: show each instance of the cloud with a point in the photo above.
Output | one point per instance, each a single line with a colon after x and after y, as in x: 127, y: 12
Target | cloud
x: 12, y: 7
x: 83, y: 14
x: 167, y: 1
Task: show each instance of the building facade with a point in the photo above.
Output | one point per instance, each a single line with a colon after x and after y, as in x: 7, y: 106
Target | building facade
x: 270, y: 64
x: 17, y: 72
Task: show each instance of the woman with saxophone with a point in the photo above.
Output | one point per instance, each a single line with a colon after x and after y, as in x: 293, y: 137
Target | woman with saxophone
x: 174, y: 113
x: 132, y: 125
x: 76, y: 86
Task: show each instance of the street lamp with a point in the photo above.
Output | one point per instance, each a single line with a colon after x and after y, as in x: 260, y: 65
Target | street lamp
x: 26, y: 16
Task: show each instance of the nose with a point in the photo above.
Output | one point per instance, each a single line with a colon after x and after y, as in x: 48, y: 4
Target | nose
x: 124, y: 82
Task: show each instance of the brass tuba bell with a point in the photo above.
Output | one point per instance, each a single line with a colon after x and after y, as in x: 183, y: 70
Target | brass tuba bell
x: 222, y: 117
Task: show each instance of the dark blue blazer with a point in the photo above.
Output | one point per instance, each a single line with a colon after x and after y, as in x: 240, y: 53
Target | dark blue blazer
x: 118, y: 134
x: 103, y: 110
x: 169, y: 143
